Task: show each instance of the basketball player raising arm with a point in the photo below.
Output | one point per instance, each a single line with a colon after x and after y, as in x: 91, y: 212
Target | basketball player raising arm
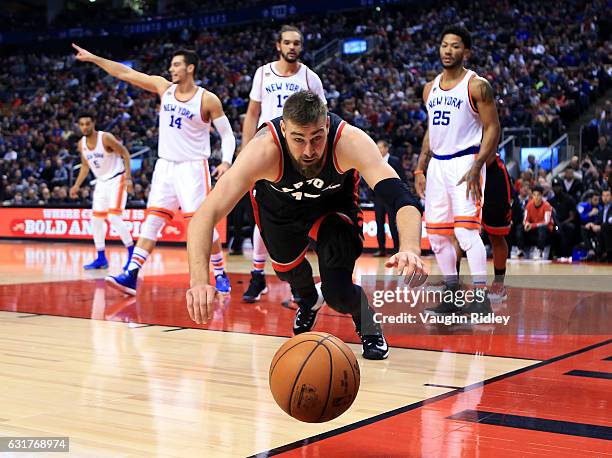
x: 260, y: 161
x: 211, y: 105
x: 181, y: 179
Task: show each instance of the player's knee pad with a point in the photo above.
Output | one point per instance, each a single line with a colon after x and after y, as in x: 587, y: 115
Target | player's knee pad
x: 338, y: 245
x: 300, y: 277
x: 467, y: 238
x: 339, y: 291
x: 438, y: 242
x: 151, y: 227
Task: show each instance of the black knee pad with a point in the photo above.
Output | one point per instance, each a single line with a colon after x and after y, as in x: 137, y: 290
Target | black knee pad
x: 339, y: 291
x: 338, y: 244
x: 299, y: 278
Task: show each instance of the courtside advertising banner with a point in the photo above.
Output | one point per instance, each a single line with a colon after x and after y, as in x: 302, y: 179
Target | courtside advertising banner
x: 75, y: 224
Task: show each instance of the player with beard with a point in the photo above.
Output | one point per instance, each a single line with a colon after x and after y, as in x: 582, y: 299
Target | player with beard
x: 273, y: 83
x: 304, y: 167
x: 462, y: 137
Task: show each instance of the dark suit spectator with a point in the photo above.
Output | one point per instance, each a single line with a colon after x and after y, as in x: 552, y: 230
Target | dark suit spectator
x: 381, y: 209
x: 565, y: 218
x: 603, y: 227
x: 602, y: 153
x: 46, y: 173
x: 571, y: 184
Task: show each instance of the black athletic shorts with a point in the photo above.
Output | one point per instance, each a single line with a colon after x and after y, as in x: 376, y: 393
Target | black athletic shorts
x: 288, y: 232
x: 497, y: 211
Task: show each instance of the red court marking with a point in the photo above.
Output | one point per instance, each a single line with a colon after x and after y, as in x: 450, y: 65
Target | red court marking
x: 160, y: 301
x: 542, y: 392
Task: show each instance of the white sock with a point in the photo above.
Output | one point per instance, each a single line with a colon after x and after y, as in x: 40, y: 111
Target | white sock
x: 217, y: 262
x: 474, y: 248
x: 98, y: 227
x: 139, y: 257
x: 122, y: 229
x: 446, y: 257
x: 260, y: 252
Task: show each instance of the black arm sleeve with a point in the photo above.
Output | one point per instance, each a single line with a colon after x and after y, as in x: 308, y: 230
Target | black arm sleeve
x: 396, y: 194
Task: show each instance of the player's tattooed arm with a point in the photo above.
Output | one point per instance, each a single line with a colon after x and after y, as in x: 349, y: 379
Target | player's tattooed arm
x: 426, y: 152
x: 484, y: 99
x: 262, y: 132
x: 421, y: 168
x: 486, y: 91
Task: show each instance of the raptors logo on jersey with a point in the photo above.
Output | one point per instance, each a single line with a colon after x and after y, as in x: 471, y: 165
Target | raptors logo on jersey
x: 104, y: 165
x: 454, y: 124
x: 272, y: 89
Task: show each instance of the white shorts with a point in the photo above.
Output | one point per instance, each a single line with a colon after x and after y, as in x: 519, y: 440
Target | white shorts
x: 109, y: 196
x: 176, y: 185
x: 446, y: 206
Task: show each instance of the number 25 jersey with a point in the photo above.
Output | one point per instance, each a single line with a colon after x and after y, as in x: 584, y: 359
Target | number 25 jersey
x: 454, y: 124
x: 183, y: 135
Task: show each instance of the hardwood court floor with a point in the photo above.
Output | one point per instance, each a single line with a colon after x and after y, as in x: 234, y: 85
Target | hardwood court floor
x: 134, y: 377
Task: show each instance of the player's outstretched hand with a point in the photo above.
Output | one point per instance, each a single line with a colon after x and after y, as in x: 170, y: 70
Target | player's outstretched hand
x: 73, y: 192
x: 472, y: 178
x: 200, y: 302
x: 129, y: 186
x: 220, y: 170
x: 410, y: 266
x: 419, y: 185
x: 83, y: 55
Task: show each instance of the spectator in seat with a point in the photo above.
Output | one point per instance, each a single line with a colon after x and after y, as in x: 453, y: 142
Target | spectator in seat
x: 571, y: 184
x: 565, y: 218
x: 602, y: 154
x: 60, y: 175
x: 46, y: 173
x: 537, y: 224
x: 589, y: 211
x: 603, y: 227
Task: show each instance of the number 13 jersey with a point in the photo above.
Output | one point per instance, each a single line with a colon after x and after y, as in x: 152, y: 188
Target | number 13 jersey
x: 454, y: 124
x: 183, y: 135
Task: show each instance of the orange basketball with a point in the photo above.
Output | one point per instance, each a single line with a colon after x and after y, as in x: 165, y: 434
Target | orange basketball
x: 314, y: 377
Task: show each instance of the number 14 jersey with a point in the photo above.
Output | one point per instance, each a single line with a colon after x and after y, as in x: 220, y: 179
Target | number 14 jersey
x: 183, y: 135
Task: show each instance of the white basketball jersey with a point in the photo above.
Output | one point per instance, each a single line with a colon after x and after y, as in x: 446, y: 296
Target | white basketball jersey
x: 103, y: 164
x: 272, y: 89
x: 183, y: 135
x: 454, y: 124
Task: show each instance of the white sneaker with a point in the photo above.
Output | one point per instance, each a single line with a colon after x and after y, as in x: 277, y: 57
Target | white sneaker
x: 536, y: 254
